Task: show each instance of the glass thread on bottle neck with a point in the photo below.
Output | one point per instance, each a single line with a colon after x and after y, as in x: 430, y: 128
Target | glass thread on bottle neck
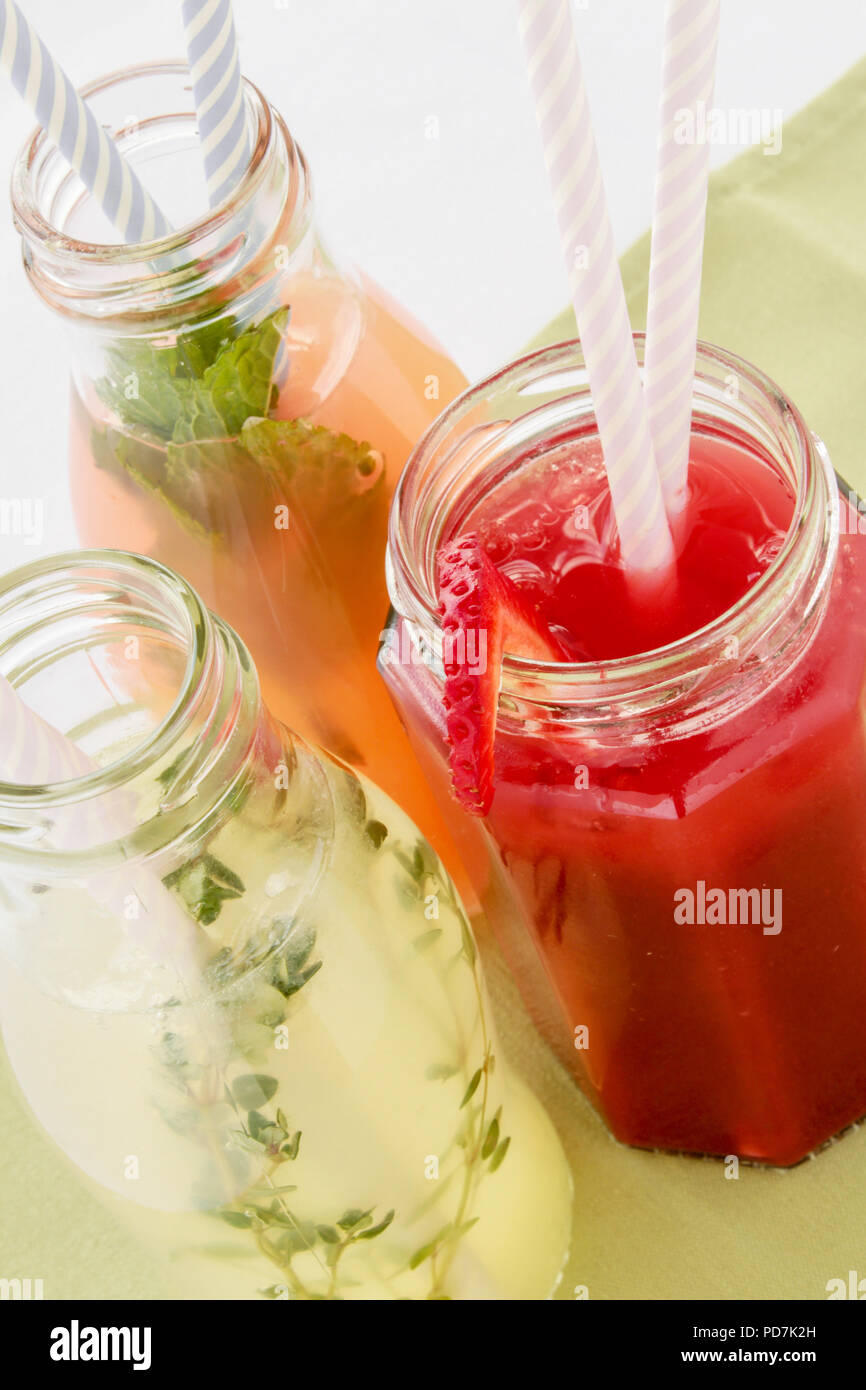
x: 214, y: 255
x: 181, y: 728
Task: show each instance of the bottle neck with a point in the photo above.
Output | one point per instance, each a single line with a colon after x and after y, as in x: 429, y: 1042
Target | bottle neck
x: 229, y: 253
x: 543, y: 400
x: 160, y: 699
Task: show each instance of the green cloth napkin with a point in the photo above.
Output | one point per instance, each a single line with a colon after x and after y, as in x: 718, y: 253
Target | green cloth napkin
x: 785, y: 286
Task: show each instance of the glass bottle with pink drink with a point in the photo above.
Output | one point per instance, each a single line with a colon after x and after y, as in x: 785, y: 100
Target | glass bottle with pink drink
x: 669, y: 800
x: 241, y: 404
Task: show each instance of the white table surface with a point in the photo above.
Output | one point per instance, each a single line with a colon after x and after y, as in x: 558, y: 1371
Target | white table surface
x: 459, y: 228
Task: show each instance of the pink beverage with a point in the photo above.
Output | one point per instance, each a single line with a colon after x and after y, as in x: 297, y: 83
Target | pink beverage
x: 677, y: 799
x: 241, y: 407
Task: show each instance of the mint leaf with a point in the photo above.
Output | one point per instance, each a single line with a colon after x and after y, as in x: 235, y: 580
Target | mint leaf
x: 203, y: 386
x: 200, y: 481
x: 322, y: 475
x: 147, y: 386
x: 197, y: 416
x: 151, y: 468
x: 199, y: 346
x: 292, y: 445
x: 195, y: 433
x: 141, y: 388
x: 241, y: 380
x: 237, y: 386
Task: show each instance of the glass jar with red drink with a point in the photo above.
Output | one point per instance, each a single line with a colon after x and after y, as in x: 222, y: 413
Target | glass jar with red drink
x: 674, y: 843
x: 241, y: 404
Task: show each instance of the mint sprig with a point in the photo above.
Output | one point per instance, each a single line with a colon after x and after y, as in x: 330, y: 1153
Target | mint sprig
x: 145, y: 384
x: 194, y: 424
x: 237, y: 386
x: 202, y: 386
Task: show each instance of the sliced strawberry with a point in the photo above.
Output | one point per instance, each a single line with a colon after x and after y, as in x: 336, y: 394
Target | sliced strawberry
x: 483, y: 614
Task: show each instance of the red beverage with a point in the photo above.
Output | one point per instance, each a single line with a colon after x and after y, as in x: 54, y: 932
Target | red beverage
x: 550, y: 529
x: 683, y: 836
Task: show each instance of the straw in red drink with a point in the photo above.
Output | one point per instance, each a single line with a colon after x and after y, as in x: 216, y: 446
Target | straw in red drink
x: 572, y: 162
x: 688, y: 71
x: 474, y: 599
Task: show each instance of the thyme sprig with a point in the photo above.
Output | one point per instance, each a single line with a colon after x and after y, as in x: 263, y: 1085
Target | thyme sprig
x: 204, y: 885
x: 484, y: 1147
x: 267, y: 1208
x: 280, y: 1233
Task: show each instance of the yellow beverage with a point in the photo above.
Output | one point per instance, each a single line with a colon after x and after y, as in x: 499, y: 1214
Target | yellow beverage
x: 283, y: 1070
x: 368, y: 1062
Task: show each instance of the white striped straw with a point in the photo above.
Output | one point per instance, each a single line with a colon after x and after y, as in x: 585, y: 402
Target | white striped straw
x: 679, y: 214
x: 214, y: 65
x: 34, y: 753
x: 573, y: 168
x: 75, y: 130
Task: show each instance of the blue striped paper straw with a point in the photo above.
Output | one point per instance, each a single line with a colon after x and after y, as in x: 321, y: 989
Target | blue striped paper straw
x: 75, y: 130
x: 212, y: 52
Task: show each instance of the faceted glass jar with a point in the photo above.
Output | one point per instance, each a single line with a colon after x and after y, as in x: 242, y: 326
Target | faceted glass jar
x: 241, y: 405
x: 239, y: 989
x: 732, y: 761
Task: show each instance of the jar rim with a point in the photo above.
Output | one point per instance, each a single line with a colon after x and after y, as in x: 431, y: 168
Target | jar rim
x: 413, y: 592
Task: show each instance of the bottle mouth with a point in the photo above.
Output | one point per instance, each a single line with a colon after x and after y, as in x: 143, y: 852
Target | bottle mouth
x: 119, y: 656
x: 543, y: 399
x: 158, y: 707
x: 150, y: 113
x: 65, y: 607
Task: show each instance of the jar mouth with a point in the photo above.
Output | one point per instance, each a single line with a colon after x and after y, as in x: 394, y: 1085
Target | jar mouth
x: 112, y: 581
x: 557, y: 376
x: 194, y: 256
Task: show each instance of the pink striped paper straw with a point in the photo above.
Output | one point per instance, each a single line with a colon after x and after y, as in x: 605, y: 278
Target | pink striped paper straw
x: 573, y: 168
x: 34, y: 753
x: 679, y: 214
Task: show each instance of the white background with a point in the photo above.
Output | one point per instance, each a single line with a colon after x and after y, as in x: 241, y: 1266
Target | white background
x: 459, y: 228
